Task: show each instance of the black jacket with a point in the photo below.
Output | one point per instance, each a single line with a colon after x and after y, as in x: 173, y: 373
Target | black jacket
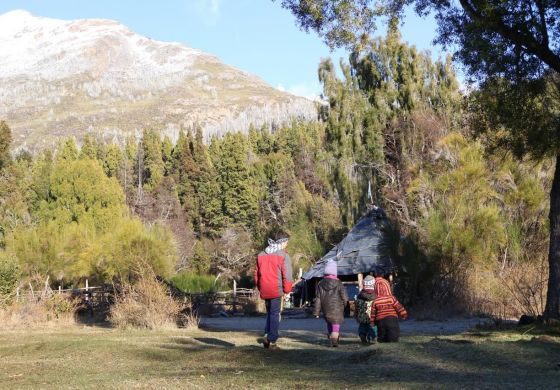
x: 330, y: 298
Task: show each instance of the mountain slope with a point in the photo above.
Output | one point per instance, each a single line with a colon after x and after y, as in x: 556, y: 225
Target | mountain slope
x: 65, y: 78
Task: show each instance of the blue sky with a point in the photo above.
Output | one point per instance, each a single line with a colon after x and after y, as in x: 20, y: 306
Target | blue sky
x: 257, y: 36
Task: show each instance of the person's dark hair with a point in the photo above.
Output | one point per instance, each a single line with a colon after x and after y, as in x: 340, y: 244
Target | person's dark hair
x: 279, y: 234
x: 378, y: 273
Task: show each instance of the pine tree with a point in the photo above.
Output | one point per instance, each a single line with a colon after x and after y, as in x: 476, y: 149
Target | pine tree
x: 152, y: 159
x: 113, y: 162
x: 184, y: 168
x: 41, y: 173
x: 5, y: 143
x: 238, y: 196
x: 205, y: 186
x: 129, y: 178
x: 80, y: 192
x: 385, y: 84
x: 89, y: 148
x: 16, y: 197
x: 167, y: 154
x: 68, y: 151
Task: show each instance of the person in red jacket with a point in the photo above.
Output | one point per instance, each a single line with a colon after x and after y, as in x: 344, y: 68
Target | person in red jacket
x: 273, y: 278
x: 385, y: 312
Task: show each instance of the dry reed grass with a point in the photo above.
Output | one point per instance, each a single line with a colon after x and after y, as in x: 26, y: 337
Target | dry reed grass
x: 147, y: 303
x: 507, y: 294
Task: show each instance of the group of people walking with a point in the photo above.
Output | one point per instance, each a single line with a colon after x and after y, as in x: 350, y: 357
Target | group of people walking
x: 377, y: 310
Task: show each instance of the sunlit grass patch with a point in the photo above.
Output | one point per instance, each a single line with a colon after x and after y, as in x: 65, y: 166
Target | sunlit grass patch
x: 92, y: 357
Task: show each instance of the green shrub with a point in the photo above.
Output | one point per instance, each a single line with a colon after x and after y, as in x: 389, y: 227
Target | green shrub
x: 191, y: 283
x: 60, y: 306
x: 201, y: 260
x: 9, y: 277
x: 75, y: 251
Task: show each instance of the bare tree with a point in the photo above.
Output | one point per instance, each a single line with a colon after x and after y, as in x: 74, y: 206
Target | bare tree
x: 232, y: 252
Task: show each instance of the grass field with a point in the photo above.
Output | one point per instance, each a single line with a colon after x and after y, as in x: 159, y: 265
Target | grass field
x: 94, y: 357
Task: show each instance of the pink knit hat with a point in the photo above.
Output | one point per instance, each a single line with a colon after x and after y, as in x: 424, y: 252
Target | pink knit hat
x: 330, y: 268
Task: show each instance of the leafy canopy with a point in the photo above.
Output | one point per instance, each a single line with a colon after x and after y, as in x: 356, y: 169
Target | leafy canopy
x: 505, y: 38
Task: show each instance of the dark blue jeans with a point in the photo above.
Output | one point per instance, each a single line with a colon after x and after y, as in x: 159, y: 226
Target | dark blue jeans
x: 370, y: 331
x: 272, y: 318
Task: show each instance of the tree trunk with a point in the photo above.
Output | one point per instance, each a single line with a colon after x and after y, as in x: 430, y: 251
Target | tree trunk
x: 552, y: 310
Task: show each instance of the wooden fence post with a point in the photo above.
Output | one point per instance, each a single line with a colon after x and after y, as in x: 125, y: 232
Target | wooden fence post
x: 59, y: 289
x: 360, y: 281
x: 234, y: 294
x: 87, y: 289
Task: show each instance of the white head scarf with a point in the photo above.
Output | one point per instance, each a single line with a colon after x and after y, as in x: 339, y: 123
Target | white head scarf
x: 275, y: 246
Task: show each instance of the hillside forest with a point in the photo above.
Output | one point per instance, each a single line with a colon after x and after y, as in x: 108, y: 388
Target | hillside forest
x: 470, y: 219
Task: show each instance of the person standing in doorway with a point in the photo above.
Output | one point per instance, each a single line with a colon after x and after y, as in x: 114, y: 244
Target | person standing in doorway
x: 273, y: 278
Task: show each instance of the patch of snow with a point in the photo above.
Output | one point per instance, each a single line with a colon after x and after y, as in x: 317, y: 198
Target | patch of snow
x: 107, y: 51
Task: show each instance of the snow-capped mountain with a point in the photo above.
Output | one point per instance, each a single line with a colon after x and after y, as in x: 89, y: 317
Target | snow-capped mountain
x: 65, y: 78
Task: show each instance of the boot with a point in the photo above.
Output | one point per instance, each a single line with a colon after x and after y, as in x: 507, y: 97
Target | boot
x: 335, y: 337
x: 264, y: 341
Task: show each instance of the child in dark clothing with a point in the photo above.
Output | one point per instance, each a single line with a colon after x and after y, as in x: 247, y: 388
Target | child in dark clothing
x: 330, y: 298
x: 385, y: 312
x: 366, y: 329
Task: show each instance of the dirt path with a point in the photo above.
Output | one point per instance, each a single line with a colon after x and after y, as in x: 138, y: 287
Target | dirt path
x: 310, y: 327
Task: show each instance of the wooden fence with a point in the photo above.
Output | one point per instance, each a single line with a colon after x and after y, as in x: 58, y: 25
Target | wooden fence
x: 99, y: 298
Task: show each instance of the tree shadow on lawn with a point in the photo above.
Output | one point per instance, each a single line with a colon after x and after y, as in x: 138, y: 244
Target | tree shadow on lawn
x: 413, y: 361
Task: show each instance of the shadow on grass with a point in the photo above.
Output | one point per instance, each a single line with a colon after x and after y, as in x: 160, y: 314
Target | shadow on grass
x: 214, y: 342
x: 416, y: 361
x: 92, y: 319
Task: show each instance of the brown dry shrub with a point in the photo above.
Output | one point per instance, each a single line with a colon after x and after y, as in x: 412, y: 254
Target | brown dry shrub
x: 189, y: 319
x: 146, y: 303
x: 505, y: 293
x: 508, y: 293
x: 52, y: 310
x: 525, y: 290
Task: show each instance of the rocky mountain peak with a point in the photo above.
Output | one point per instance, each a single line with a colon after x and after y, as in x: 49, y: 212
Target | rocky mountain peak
x: 65, y: 78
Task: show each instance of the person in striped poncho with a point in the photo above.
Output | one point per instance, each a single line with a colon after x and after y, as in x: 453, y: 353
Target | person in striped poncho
x: 385, y: 312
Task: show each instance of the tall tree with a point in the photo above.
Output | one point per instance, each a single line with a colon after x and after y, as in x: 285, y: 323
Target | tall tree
x: 516, y: 41
x: 113, y: 161
x: 89, y: 148
x: 205, y: 185
x: 68, y: 151
x: 153, y: 164
x: 5, y: 143
x: 79, y: 191
x: 15, y: 197
x: 167, y: 154
x: 238, y: 197
x: 184, y: 168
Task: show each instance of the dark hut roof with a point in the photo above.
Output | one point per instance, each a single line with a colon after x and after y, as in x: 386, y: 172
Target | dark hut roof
x: 365, y: 249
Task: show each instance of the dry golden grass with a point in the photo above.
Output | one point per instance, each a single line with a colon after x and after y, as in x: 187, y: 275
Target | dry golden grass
x: 54, y: 310
x: 90, y: 357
